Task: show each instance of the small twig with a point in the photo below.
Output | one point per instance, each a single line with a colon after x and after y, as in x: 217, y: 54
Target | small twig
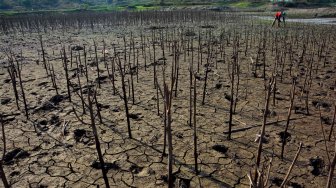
x: 333, y: 122
x: 2, y: 172
x: 324, y: 137
x: 331, y: 170
x: 251, y: 182
x: 78, y: 118
x: 291, y: 167
x: 269, y: 170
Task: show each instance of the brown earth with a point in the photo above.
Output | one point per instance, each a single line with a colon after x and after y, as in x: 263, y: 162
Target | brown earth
x: 57, y: 160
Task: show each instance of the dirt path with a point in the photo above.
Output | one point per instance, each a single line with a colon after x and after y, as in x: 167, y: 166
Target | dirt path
x: 325, y: 21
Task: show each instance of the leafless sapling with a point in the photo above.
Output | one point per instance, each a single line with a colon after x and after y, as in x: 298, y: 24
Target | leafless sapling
x: 2, y: 172
x: 262, y: 132
x: 284, y: 136
x: 65, y: 61
x: 12, y: 73
x: 122, y: 75
x: 19, y: 71
x: 90, y: 101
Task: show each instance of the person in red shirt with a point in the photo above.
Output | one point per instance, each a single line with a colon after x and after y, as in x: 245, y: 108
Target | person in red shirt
x: 278, y: 16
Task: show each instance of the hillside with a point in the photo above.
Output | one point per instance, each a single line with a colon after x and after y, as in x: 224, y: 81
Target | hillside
x: 29, y: 5
x: 40, y: 4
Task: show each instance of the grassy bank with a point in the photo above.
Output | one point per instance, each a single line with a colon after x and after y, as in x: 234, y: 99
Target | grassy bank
x: 244, y: 6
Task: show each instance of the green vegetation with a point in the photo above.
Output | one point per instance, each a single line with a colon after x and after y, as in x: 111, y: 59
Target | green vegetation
x: 10, y: 7
x: 135, y: 4
x: 247, y: 4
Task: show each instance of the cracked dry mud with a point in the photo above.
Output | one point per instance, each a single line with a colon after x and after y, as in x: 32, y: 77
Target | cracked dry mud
x: 53, y: 157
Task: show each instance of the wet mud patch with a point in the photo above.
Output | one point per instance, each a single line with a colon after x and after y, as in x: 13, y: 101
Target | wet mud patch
x: 321, y: 104
x: 284, y: 136
x: 190, y: 33
x: 276, y: 181
x: 227, y: 96
x: 265, y: 139
x: 116, y: 109
x: 50, y: 104
x: 165, y: 178
x: 300, y: 110
x: 101, y: 79
x: 207, y: 26
x: 179, y: 135
x: 294, y: 185
x: 54, y: 120
x: 218, y: 85
x: 220, y: 148
x: 42, y: 84
x: 108, y: 166
x: 317, y: 164
x: 8, y: 119
x: 326, y: 120
x: 83, y: 136
x: 135, y: 169
x: 77, y: 48
x: 15, y: 154
x: 14, y: 173
x: 102, y: 106
x: 269, y: 113
x: 6, y: 81
x: 57, y: 99
x: 43, y: 125
x: 136, y: 117
x: 5, y: 101
x: 183, y: 183
x: 155, y: 27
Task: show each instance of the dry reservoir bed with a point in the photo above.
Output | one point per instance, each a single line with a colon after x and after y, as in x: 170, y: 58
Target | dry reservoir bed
x: 56, y: 147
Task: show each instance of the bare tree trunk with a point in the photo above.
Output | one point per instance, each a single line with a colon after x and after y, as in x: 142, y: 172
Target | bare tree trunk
x: 237, y: 67
x: 81, y: 93
x: 22, y: 90
x: 232, y: 95
x: 67, y: 74
x: 190, y: 95
x: 70, y: 57
x: 85, y: 64
x: 43, y: 55
x: 324, y: 138
x: 3, y: 176
x: 195, y: 128
x: 284, y: 139
x: 331, y: 170
x: 122, y: 74
x: 291, y: 167
x: 164, y: 132
x: 154, y: 60
x: 11, y: 71
x: 95, y: 132
x: 53, y: 78
x: 168, y: 97
x: 132, y: 86
x: 96, y: 55
x: 333, y: 122
x: 97, y: 106
x: 113, y: 76
x: 206, y: 75
x: 269, y: 88
x: 2, y: 173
